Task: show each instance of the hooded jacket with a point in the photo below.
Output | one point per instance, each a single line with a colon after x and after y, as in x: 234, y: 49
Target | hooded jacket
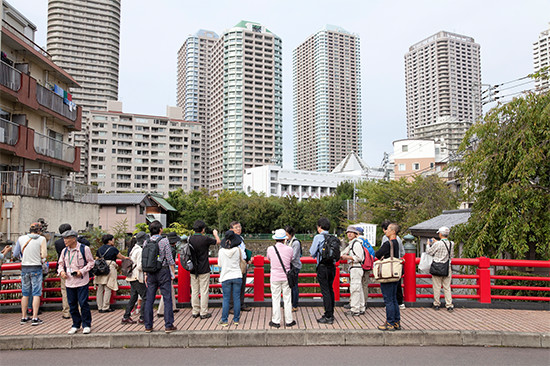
x: 229, y: 261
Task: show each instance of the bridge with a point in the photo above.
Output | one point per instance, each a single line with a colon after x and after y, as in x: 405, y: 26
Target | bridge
x: 482, y: 317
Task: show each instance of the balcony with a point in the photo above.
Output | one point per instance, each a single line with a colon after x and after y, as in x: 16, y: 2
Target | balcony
x: 32, y: 184
x: 50, y: 100
x: 53, y: 148
x: 10, y: 77
x: 9, y: 132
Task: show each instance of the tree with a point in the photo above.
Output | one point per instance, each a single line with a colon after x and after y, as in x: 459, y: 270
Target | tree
x: 505, y: 171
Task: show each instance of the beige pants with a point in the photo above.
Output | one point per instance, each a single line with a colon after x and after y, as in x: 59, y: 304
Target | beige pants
x: 199, y: 285
x: 103, y: 297
x: 357, y: 297
x: 365, y: 280
x: 65, y: 311
x: 161, y: 304
x: 437, y: 283
x: 276, y: 288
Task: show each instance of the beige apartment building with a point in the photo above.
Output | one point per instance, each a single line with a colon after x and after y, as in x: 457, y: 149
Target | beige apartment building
x: 412, y: 157
x: 36, y: 116
x: 243, y: 109
x: 327, y: 99
x: 141, y: 153
x: 443, y: 83
x: 541, y: 59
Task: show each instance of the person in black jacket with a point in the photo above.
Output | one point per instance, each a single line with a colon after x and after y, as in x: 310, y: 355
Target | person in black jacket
x: 59, y: 246
x: 389, y: 289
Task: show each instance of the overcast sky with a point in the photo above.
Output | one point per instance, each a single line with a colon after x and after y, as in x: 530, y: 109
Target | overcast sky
x: 153, y: 31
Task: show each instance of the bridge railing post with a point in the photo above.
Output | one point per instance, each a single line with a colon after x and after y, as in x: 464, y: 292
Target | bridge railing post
x: 484, y: 280
x: 409, y: 269
x: 336, y: 283
x: 259, y: 278
x: 184, y: 283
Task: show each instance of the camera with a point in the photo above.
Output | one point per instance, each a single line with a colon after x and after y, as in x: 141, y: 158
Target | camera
x: 73, y: 273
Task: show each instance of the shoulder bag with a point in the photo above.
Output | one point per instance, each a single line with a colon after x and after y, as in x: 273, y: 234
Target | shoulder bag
x: 388, y: 269
x: 291, y: 276
x: 441, y: 269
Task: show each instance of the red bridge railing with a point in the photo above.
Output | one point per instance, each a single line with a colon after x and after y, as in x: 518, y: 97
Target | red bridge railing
x: 482, y: 290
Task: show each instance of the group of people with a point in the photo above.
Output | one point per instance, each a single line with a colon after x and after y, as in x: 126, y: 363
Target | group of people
x: 76, y: 261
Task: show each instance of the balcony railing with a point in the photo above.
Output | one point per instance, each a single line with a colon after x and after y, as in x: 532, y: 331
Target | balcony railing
x: 9, y: 132
x: 53, y: 148
x: 50, y: 100
x: 40, y: 185
x: 9, y: 76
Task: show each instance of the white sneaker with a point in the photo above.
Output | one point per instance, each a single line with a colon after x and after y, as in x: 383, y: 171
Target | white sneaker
x: 86, y: 330
x: 402, y: 306
x: 73, y: 330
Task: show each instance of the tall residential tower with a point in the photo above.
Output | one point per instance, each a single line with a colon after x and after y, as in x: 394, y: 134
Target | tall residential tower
x: 443, y: 88
x: 541, y: 58
x: 327, y: 99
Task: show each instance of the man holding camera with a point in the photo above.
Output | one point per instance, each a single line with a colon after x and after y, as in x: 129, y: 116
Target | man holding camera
x: 75, y: 263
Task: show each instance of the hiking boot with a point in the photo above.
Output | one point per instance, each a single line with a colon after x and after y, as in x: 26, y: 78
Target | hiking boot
x: 246, y: 308
x: 325, y: 320
x: 351, y: 313
x: 362, y: 312
x: 386, y: 326
x: 274, y: 325
x: 291, y: 324
x: 206, y: 316
x: 37, y: 321
x: 171, y: 329
x: 397, y: 326
x: 25, y: 320
x: 66, y: 317
x: 450, y: 309
x: 347, y: 306
x: 128, y: 321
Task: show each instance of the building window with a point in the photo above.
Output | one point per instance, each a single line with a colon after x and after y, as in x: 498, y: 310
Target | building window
x: 416, y: 166
x: 401, y: 167
x: 404, y: 148
x: 121, y: 209
x: 141, y: 210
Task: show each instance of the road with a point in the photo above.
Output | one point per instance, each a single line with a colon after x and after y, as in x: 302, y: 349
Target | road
x: 280, y: 356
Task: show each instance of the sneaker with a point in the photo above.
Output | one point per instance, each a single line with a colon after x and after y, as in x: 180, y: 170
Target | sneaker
x: 25, y: 320
x: 325, y: 320
x: 291, y: 324
x: 171, y: 329
x: 294, y: 310
x: 397, y: 326
x: 246, y: 308
x: 386, y: 326
x: 274, y: 325
x: 450, y: 309
x: 436, y: 307
x: 148, y: 330
x: 175, y: 310
x: 362, y: 312
x: 160, y: 315
x: 73, y: 330
x: 206, y: 316
x: 402, y: 307
x: 37, y: 321
x: 141, y: 321
x: 347, y: 306
x: 195, y: 316
x: 66, y: 317
x: 128, y: 321
x: 235, y: 323
x: 351, y: 313
x: 223, y: 324
x: 86, y: 330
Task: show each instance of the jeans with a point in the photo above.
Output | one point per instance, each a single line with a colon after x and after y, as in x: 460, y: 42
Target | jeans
x: 399, y: 293
x: 136, y: 288
x: 389, y: 291
x: 325, y: 277
x: 295, y: 295
x: 79, y: 296
x: 231, y: 288
x: 31, y: 281
x: 163, y: 280
x: 243, y: 288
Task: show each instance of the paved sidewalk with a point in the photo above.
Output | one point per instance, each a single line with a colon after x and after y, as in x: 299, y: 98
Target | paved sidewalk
x: 523, y: 328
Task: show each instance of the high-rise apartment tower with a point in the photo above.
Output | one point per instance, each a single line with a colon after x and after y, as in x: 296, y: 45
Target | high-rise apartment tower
x: 443, y: 88
x: 541, y: 58
x: 327, y: 99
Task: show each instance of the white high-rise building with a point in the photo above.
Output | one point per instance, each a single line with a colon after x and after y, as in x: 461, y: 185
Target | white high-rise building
x: 83, y: 38
x: 327, y: 99
x: 243, y: 100
x: 443, y: 85
x: 541, y: 58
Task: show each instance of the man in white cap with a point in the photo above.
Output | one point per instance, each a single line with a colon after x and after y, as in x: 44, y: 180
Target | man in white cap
x: 280, y: 255
x: 442, y: 251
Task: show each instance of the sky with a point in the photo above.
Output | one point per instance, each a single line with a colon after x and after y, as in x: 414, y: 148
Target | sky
x: 152, y: 32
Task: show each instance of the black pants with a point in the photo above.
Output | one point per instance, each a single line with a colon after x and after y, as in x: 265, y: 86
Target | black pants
x: 399, y: 293
x: 243, y: 288
x: 136, y: 288
x: 325, y: 277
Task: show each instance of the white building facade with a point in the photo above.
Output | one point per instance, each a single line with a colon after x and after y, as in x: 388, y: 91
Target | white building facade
x: 541, y: 58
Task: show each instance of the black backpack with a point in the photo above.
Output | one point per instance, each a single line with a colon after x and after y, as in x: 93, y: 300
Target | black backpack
x: 330, y: 251
x: 150, y: 262
x: 101, y: 268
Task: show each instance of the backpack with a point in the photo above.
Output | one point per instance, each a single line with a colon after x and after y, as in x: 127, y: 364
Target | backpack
x: 101, y: 268
x: 368, y: 262
x: 330, y: 251
x: 186, y: 256
x: 127, y: 267
x: 150, y: 256
x: 82, y: 247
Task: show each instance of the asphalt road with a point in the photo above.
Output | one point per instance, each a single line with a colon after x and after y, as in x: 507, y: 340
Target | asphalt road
x: 280, y: 356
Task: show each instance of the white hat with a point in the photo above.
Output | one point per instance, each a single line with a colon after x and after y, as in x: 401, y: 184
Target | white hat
x: 444, y: 230
x: 280, y: 234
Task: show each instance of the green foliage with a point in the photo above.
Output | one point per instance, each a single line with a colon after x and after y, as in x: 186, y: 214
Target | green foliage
x: 94, y: 235
x: 506, y: 173
x: 344, y: 190
x: 119, y: 230
x: 527, y: 283
x: 177, y: 228
x: 142, y: 226
x: 404, y: 202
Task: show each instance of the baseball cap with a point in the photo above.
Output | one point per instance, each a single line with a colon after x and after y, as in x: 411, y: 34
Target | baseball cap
x: 444, y: 230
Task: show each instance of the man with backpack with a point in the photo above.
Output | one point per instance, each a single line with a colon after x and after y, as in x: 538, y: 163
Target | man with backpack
x: 355, y: 254
x: 326, y: 249
x: 159, y: 267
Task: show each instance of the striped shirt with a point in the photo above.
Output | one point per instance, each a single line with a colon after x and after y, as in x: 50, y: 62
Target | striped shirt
x: 440, y: 250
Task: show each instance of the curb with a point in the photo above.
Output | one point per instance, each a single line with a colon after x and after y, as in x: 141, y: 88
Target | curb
x: 263, y: 338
